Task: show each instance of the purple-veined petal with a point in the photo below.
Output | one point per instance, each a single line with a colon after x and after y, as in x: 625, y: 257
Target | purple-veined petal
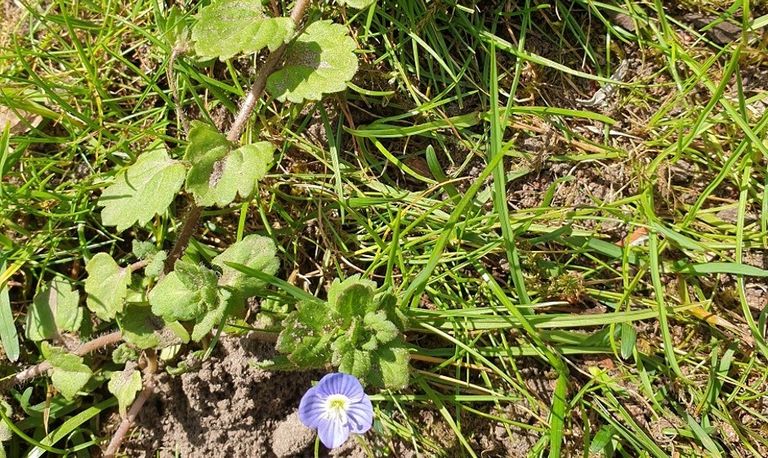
x: 360, y: 416
x: 311, y: 408
x: 332, y: 432
x: 338, y: 383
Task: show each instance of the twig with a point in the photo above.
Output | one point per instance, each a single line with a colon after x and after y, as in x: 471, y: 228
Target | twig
x: 125, y: 425
x: 85, y: 348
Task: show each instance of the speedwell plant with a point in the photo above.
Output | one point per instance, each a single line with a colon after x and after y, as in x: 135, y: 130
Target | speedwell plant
x: 164, y: 298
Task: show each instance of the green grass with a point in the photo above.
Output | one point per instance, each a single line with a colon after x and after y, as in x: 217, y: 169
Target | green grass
x: 529, y: 319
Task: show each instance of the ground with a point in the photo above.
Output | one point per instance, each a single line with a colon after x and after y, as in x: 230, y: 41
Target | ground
x: 634, y: 238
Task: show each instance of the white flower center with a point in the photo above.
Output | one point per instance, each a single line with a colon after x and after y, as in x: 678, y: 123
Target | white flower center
x: 336, y: 406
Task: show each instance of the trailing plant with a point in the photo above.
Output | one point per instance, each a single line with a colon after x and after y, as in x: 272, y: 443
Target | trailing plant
x: 166, y: 298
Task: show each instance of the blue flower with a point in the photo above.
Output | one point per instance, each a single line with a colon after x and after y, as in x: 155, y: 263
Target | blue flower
x: 336, y: 407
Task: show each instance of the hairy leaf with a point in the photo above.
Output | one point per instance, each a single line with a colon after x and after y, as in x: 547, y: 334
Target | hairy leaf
x: 124, y: 353
x: 229, y: 27
x: 351, y: 297
x: 144, y: 190
x: 218, y: 176
x: 148, y: 251
x: 124, y: 385
x: 378, y: 325
x: 106, y: 285
x: 215, y: 315
x: 203, y: 138
x: 357, y: 4
x: 307, y: 335
x: 145, y: 330
x: 69, y: 374
x: 312, y: 351
x: 321, y: 61
x: 357, y: 363
x: 5, y: 432
x: 184, y: 294
x: 54, y: 309
x: 143, y: 249
x: 390, y: 366
x: 387, y: 302
x: 254, y: 251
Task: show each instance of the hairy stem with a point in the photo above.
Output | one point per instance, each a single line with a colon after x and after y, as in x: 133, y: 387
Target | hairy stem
x: 260, y: 84
x: 125, y: 425
x: 83, y: 349
x: 169, y: 72
x: 138, y: 265
x: 238, y: 125
x: 187, y: 229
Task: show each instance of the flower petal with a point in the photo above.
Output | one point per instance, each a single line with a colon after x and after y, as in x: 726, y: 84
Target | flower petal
x: 332, y: 432
x: 337, y: 383
x: 360, y: 416
x: 311, y: 408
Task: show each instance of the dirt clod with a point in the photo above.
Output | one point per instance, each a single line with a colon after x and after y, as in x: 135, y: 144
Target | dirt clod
x: 291, y: 437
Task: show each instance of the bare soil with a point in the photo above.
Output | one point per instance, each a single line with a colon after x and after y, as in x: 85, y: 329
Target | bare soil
x: 226, y: 408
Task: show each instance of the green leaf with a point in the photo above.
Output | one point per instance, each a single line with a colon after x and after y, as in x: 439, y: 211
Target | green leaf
x: 147, y: 251
x: 719, y: 268
x: 156, y: 264
x: 229, y: 27
x: 203, y: 138
x: 184, y: 294
x: 307, y: 335
x: 342, y: 346
x: 357, y: 363
x: 143, y: 249
x: 218, y: 176
x: 175, y: 25
x: 124, y: 385
x: 69, y: 374
x: 628, y: 340
x: 602, y: 441
x: 226, y: 302
x: 8, y: 334
x: 390, y: 366
x: 321, y: 61
x: 145, y: 330
x: 387, y: 302
x: 106, y: 285
x: 54, y: 309
x: 311, y: 352
x: 253, y: 251
x: 124, y: 353
x: 142, y: 191
x: 5, y: 432
x: 384, y: 330
x: 351, y: 297
x: 357, y: 4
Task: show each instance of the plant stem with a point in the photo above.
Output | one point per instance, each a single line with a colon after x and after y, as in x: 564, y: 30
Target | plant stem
x: 138, y: 265
x: 238, y: 125
x: 85, y: 348
x: 187, y: 229
x: 260, y: 84
x: 178, y: 50
x: 125, y: 425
